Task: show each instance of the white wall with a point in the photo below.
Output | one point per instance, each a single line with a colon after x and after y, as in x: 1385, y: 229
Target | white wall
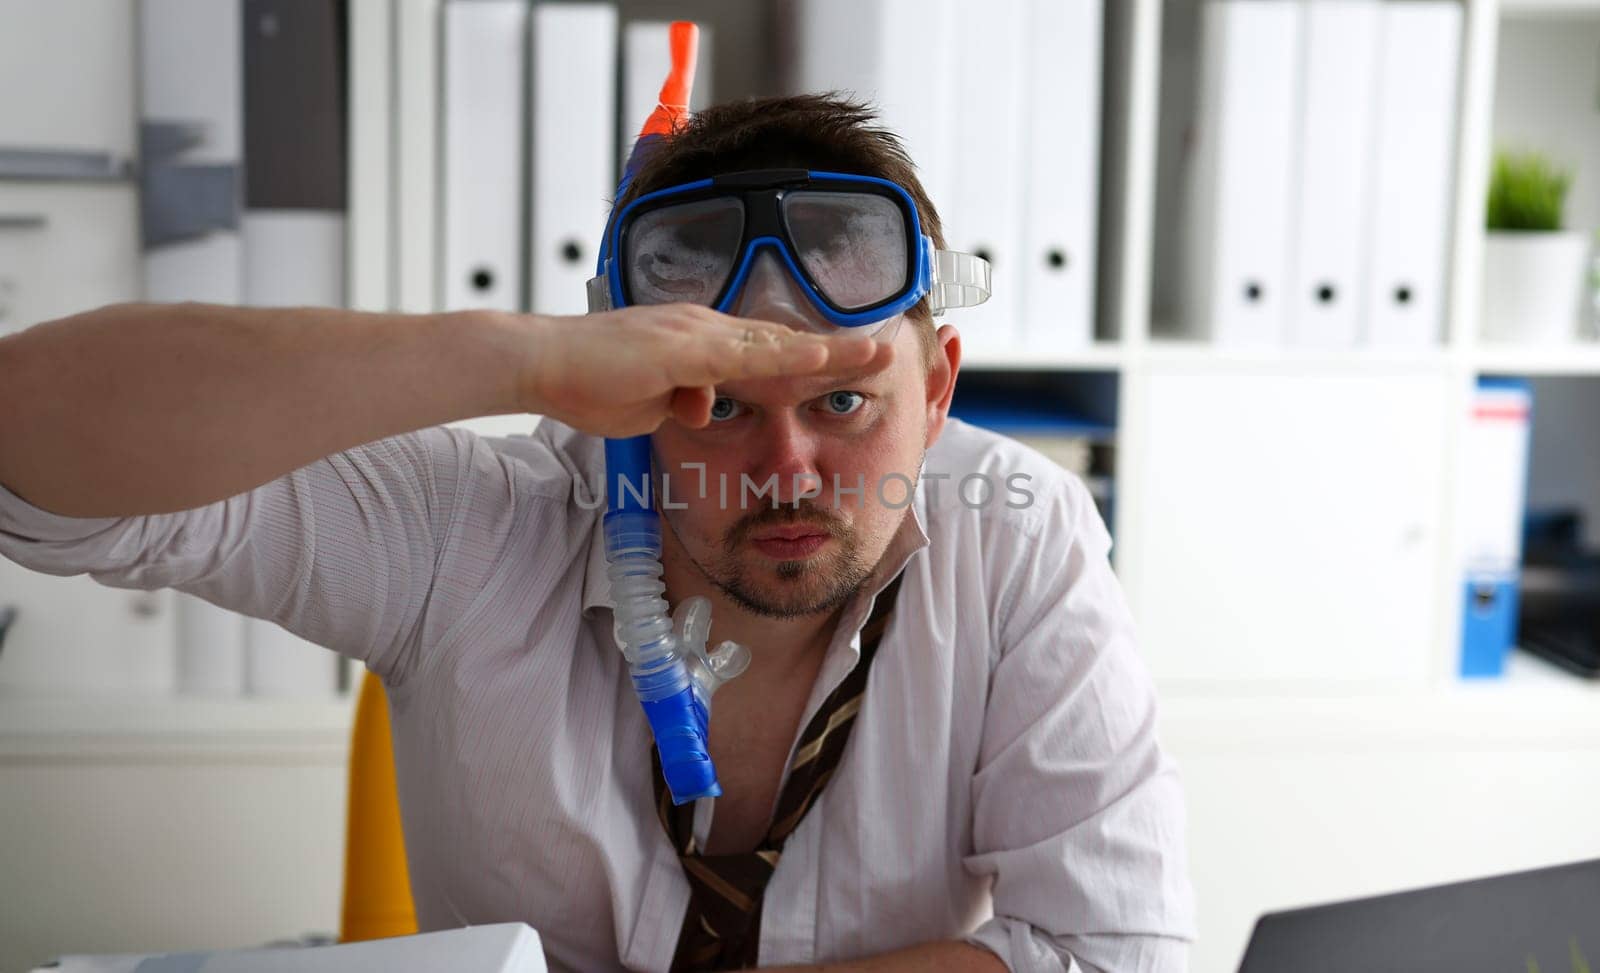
x: 1547, y: 99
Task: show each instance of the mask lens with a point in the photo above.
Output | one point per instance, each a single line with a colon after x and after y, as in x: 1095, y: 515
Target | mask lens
x: 852, y: 244
x: 684, y: 252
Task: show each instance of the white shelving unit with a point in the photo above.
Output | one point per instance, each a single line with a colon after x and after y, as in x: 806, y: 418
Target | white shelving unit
x: 395, y: 211
x: 1453, y: 365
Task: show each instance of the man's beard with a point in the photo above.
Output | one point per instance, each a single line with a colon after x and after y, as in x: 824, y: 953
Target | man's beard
x: 812, y: 586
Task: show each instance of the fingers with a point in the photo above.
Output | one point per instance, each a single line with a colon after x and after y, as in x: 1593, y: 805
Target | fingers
x: 736, y: 348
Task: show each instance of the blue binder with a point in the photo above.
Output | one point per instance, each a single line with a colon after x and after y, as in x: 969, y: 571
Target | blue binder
x: 1496, y: 490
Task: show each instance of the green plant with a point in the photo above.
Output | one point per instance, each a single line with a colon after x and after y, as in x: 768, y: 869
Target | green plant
x: 1526, y: 192
x: 1579, y: 963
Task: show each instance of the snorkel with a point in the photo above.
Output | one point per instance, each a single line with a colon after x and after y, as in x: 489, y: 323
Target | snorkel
x: 672, y: 673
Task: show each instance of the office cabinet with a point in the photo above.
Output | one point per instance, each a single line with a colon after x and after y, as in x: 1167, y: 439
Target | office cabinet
x: 1290, y: 523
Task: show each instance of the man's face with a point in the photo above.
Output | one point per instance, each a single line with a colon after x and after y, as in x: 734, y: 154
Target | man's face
x: 796, y: 439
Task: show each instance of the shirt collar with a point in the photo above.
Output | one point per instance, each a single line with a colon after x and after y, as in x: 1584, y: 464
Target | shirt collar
x: 596, y: 584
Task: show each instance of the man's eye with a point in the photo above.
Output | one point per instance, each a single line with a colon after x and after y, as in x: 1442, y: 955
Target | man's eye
x: 723, y: 408
x: 844, y: 403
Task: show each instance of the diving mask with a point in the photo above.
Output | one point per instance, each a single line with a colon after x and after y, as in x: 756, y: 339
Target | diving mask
x: 815, y: 250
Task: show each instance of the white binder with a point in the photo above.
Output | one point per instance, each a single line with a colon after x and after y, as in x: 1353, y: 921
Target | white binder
x: 485, y: 43
x: 646, y: 61
x: 1412, y: 178
x: 191, y: 72
x: 418, y: 212
x: 1063, y: 166
x: 1240, y: 179
x: 574, y: 97
x: 984, y: 215
x: 372, y: 226
x: 897, y: 55
x: 1335, y: 165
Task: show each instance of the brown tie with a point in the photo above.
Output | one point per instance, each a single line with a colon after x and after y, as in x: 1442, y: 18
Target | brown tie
x: 722, y: 929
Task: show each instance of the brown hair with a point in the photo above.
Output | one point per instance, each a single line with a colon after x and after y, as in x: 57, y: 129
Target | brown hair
x: 826, y: 132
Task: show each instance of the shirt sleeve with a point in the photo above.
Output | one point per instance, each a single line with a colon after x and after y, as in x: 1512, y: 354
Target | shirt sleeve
x: 1078, y: 816
x: 366, y: 552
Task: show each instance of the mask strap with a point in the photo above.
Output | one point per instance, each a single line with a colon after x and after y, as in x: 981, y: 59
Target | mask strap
x: 959, y: 280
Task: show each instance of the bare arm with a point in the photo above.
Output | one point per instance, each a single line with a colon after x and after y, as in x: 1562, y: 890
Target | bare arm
x: 135, y: 409
x: 140, y: 408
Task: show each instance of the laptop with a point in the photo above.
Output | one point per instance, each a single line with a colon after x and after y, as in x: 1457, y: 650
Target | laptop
x: 1541, y: 921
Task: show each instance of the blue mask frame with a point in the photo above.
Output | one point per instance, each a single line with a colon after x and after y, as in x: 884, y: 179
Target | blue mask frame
x: 764, y: 229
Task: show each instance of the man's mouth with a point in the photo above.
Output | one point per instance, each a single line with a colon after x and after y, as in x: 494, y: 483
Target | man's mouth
x: 791, y: 541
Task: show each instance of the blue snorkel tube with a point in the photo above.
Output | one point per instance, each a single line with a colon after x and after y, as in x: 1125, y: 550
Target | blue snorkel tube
x: 660, y: 659
x: 672, y: 673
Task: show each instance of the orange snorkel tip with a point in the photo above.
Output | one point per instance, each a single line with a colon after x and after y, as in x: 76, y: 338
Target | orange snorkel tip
x: 673, y: 104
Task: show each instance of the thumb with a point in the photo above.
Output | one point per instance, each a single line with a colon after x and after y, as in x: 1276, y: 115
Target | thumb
x: 692, y: 406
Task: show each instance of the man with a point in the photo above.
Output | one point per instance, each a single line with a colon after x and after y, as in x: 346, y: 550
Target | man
x: 942, y: 754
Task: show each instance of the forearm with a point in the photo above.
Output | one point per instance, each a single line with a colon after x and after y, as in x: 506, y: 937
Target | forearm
x: 135, y: 409
x: 952, y: 956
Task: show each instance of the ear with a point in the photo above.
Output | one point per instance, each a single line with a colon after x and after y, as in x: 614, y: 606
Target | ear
x: 942, y: 379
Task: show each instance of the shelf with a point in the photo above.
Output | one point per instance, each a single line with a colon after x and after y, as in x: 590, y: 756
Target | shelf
x: 1110, y: 356
x: 1578, y: 358
x: 91, y: 727
x: 1204, y: 355
x: 1550, y: 8
x: 1098, y: 357
x: 1533, y: 706
x: 62, y: 165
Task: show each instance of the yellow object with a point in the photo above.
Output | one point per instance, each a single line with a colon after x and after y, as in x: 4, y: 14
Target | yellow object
x: 377, y: 884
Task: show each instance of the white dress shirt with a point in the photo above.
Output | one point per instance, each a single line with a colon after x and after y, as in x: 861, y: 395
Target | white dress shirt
x: 1002, y: 783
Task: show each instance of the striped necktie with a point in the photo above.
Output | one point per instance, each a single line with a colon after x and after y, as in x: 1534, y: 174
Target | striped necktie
x: 722, y: 929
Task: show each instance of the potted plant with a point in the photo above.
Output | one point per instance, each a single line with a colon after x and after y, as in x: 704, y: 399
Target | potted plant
x: 1532, y: 269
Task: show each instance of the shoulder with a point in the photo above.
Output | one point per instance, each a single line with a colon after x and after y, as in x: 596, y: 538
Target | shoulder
x: 1009, y: 528
x: 998, y: 485
x: 551, y: 460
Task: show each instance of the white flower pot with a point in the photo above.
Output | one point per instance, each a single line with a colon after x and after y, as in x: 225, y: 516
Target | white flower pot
x: 1533, y: 286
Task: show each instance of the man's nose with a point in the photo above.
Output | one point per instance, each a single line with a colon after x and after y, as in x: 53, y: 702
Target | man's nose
x: 788, y: 451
